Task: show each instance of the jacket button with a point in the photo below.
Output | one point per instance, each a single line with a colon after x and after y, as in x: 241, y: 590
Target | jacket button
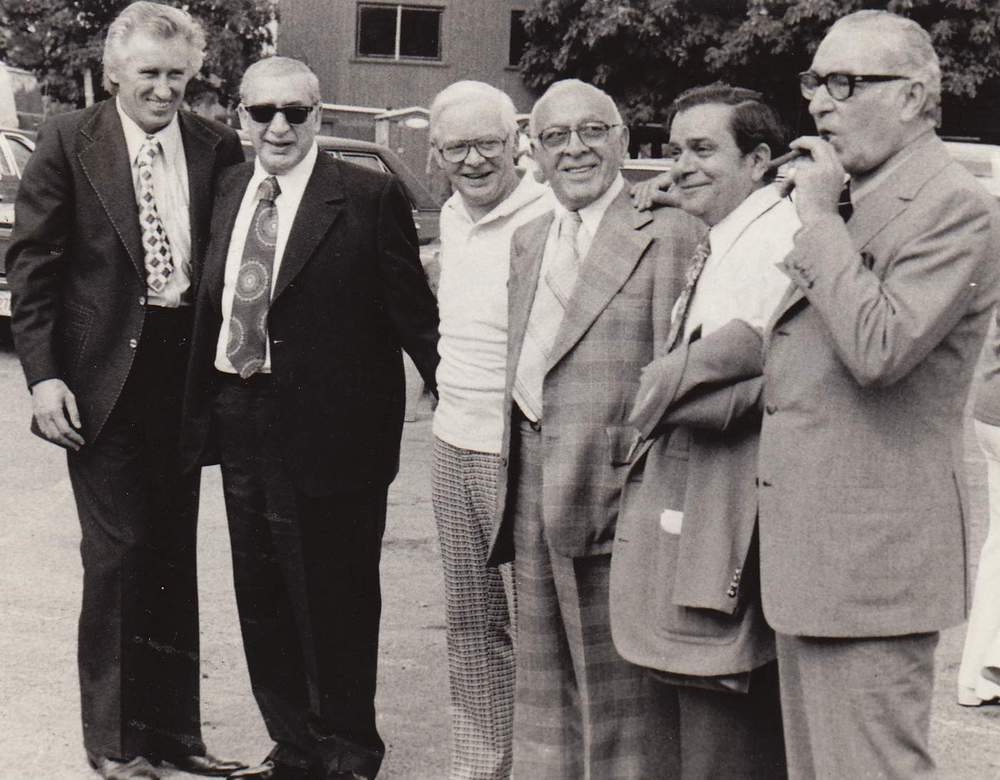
x: 770, y: 408
x: 731, y: 593
x: 142, y: 300
x: 133, y: 343
x: 765, y: 483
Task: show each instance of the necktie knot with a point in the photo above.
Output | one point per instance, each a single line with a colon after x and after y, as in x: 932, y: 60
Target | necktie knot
x: 148, y: 151
x: 268, y: 189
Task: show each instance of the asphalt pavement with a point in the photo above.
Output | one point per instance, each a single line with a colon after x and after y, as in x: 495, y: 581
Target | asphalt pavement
x: 40, y: 577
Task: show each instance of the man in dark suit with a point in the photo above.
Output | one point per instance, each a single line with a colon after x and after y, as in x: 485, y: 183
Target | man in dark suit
x: 112, y: 221
x: 867, y: 369
x: 590, y: 293
x: 312, y: 284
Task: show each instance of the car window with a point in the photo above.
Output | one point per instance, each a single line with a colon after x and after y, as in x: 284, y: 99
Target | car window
x: 21, y: 151
x: 372, y: 161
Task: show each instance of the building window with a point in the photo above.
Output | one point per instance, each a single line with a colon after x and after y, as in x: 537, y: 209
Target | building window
x: 399, y: 31
x: 517, y: 38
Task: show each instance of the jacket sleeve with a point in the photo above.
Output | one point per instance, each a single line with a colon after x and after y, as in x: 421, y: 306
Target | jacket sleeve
x: 43, y: 216
x: 409, y: 302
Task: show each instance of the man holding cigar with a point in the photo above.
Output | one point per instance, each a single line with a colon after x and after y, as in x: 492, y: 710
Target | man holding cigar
x: 868, y: 364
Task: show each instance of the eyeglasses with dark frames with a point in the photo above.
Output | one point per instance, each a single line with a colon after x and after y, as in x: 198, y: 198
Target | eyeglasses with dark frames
x: 839, y: 85
x: 590, y: 134
x: 294, y: 115
x: 458, y: 151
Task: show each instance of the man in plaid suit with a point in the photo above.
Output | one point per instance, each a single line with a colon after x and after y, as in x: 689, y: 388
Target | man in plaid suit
x: 591, y: 288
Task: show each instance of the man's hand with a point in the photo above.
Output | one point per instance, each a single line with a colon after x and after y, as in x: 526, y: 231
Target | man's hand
x: 817, y: 177
x: 653, y: 192
x: 52, y: 404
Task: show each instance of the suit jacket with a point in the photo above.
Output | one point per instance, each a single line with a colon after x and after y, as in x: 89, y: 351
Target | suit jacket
x: 349, y: 293
x: 867, y: 369
x: 685, y: 599
x: 76, y: 265
x: 618, y: 315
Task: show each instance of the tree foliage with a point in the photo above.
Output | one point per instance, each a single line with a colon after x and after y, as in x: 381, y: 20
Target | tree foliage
x: 59, y: 39
x: 645, y: 52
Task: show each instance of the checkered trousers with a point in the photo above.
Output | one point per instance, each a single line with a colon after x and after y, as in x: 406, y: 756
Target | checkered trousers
x: 581, y: 711
x: 479, y: 621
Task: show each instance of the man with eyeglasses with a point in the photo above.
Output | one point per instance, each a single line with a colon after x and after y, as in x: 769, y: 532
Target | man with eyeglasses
x: 112, y: 221
x: 867, y: 368
x: 312, y: 284
x: 473, y: 131
x: 591, y: 288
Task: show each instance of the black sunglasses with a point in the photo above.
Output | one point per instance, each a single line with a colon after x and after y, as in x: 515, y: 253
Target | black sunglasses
x: 294, y: 115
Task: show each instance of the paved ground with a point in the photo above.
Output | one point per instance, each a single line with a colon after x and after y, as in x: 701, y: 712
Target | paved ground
x: 39, y: 594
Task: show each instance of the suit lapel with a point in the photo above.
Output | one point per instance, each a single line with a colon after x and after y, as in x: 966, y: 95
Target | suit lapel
x: 321, y: 204
x: 224, y: 217
x: 105, y: 162
x: 527, y: 250
x: 883, y: 205
x: 613, y: 255
x: 199, y: 152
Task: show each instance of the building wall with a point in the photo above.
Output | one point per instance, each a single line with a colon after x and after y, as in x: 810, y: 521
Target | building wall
x: 475, y: 40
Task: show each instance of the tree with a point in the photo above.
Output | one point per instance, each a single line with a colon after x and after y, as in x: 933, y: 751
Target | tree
x: 61, y: 39
x: 645, y: 52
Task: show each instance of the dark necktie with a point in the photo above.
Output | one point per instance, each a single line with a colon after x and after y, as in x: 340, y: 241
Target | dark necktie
x: 247, y: 345
x: 701, y: 255
x: 844, y: 205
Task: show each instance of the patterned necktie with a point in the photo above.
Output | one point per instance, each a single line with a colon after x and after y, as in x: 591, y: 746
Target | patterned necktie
x: 247, y: 345
x: 683, y: 306
x: 155, y: 244
x: 547, y: 312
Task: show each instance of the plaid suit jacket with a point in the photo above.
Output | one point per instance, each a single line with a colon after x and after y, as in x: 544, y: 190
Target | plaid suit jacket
x: 619, y: 315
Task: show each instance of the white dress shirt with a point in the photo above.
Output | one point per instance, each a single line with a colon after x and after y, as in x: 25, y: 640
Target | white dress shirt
x: 173, y: 199
x: 293, y: 185
x: 472, y: 301
x: 742, y: 279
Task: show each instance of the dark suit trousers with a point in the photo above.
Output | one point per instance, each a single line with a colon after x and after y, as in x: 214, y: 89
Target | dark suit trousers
x: 138, y: 633
x: 306, y: 570
x: 857, y: 707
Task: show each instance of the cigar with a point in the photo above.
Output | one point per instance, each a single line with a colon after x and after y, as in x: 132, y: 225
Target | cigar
x: 777, y: 162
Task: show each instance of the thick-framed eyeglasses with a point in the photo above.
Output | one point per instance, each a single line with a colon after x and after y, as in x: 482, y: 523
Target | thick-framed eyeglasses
x: 294, y: 115
x: 589, y: 133
x: 839, y: 85
x: 457, y: 151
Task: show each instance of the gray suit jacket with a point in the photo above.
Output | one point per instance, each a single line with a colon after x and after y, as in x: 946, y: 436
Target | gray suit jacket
x: 867, y: 368
x: 618, y: 316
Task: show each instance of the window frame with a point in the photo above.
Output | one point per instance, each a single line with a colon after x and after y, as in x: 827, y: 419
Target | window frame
x: 396, y: 56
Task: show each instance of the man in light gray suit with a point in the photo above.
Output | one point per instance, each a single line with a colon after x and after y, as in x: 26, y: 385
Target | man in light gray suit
x: 868, y: 364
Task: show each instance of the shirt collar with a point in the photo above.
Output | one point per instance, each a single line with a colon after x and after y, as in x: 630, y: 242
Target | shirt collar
x: 723, y: 235
x: 528, y: 190
x: 592, y: 214
x: 294, y: 179
x: 169, y: 136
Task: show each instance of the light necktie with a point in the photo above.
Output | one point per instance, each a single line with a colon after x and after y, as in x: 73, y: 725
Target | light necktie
x: 247, y: 344
x: 155, y: 243
x: 547, y: 313
x: 683, y: 306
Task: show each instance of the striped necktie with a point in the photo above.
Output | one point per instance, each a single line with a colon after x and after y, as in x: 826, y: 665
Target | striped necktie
x: 683, y: 306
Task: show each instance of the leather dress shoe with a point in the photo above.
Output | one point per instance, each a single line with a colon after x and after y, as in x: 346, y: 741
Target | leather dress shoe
x: 137, y: 768
x: 269, y: 770
x: 207, y: 765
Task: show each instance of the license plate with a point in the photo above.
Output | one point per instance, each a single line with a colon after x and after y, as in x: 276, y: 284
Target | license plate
x: 4, y: 303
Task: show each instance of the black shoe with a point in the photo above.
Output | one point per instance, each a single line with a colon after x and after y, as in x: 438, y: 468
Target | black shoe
x: 205, y: 765
x: 269, y: 770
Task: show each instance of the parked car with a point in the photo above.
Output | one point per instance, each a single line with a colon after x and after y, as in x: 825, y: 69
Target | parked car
x: 16, y: 147
x: 426, y: 208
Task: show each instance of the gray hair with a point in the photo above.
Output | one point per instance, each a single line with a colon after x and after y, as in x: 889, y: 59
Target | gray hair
x: 914, y: 53
x: 280, y: 67
x: 572, y: 85
x: 157, y: 20
x: 468, y: 91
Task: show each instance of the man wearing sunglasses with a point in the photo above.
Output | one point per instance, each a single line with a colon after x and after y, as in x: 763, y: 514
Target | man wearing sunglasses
x: 591, y: 288
x: 112, y: 222
x: 312, y: 285
x: 474, y: 137
x: 868, y: 364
